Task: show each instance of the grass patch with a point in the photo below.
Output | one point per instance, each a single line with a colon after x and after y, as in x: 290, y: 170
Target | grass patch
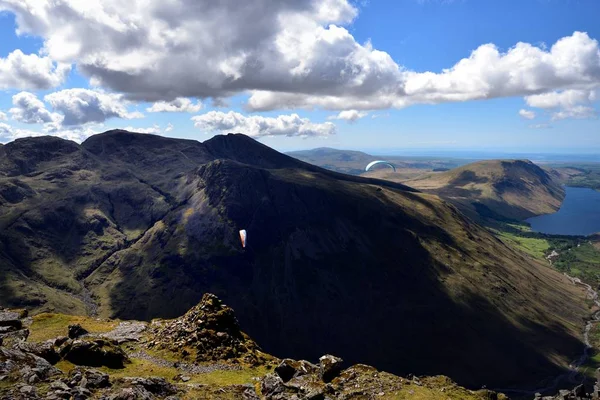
x: 224, y: 378
x: 537, y: 247
x: 47, y: 325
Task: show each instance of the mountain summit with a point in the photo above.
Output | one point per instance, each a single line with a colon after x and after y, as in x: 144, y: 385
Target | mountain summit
x: 139, y: 226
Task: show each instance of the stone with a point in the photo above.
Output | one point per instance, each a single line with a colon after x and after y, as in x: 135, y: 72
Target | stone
x: 271, y: 385
x: 287, y: 369
x: 75, y: 331
x: 59, y: 385
x: 94, y: 353
x: 27, y: 390
x: 25, y: 364
x: 10, y: 319
x: 89, y: 378
x: 153, y: 386
x: 45, y: 350
x: 330, y: 367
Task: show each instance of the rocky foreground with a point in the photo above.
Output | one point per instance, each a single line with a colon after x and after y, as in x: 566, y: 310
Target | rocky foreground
x: 201, y: 355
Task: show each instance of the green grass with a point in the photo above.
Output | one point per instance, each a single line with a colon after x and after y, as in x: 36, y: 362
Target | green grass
x: 537, y: 247
x: 47, y: 326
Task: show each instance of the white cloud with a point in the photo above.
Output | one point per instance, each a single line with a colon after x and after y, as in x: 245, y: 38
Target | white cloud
x: 169, y: 128
x: 564, y: 99
x: 30, y: 71
x: 540, y: 126
x: 155, y: 129
x: 8, y: 133
x: 287, y: 54
x: 349, y: 116
x: 31, y: 110
x: 527, y: 114
x: 576, y: 112
x: 5, y: 132
x: 82, y: 106
x: 180, y: 104
x: 3, y: 116
x: 572, y: 103
x: 283, y: 125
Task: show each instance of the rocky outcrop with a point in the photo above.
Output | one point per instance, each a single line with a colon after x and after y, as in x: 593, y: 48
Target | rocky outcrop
x: 208, y: 332
x: 93, y: 353
x: 75, y: 331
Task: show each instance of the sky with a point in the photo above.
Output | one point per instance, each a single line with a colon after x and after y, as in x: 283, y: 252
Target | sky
x: 489, y: 75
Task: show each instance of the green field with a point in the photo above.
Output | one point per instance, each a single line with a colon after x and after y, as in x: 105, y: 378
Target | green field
x: 577, y: 257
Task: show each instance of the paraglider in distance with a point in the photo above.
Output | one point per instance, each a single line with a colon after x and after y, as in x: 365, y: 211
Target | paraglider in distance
x: 243, y: 236
x: 371, y: 164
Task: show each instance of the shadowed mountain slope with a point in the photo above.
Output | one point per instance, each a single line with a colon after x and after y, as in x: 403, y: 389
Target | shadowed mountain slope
x: 140, y: 226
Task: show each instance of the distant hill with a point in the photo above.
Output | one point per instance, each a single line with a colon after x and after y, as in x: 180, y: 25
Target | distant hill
x: 139, y: 226
x: 512, y: 189
x: 354, y: 162
x: 346, y: 161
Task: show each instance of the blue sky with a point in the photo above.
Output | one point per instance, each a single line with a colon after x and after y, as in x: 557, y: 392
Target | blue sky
x: 378, y: 91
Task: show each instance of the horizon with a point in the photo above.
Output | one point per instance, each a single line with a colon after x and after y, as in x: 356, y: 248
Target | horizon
x: 452, y: 76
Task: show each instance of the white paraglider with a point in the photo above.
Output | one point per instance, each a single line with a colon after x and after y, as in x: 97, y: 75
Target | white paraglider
x: 243, y: 236
x: 371, y: 164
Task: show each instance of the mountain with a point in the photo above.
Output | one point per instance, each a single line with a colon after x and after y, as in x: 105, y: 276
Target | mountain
x: 346, y: 161
x: 138, y: 226
x: 502, y: 189
x: 354, y: 162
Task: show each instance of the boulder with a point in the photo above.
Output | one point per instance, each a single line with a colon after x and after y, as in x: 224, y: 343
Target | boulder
x: 24, y: 365
x: 89, y: 378
x: 155, y: 386
x: 271, y: 385
x: 10, y: 319
x: 289, y: 369
x: 94, y: 353
x: 330, y: 367
x: 75, y: 331
x: 46, y: 350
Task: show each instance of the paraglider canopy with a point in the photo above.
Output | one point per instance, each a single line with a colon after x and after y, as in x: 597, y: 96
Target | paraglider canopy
x: 243, y: 236
x: 371, y: 164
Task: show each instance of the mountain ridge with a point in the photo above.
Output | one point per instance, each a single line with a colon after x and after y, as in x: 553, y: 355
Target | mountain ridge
x: 327, y: 254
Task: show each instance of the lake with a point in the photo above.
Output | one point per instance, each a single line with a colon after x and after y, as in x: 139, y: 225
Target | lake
x: 578, y: 215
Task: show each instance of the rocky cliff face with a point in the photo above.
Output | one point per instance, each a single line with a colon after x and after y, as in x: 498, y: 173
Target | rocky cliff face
x: 139, y: 226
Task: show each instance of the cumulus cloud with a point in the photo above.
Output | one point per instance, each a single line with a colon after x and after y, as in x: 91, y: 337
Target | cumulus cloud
x: 3, y: 116
x: 564, y: 99
x: 572, y: 103
x: 82, y: 106
x: 577, y: 112
x: 169, y: 128
x: 257, y: 126
x: 349, y: 116
x: 5, y: 132
x: 154, y: 129
x: 286, y: 54
x: 527, y: 114
x: 180, y: 104
x: 9, y: 133
x: 31, y: 110
x: 30, y: 71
